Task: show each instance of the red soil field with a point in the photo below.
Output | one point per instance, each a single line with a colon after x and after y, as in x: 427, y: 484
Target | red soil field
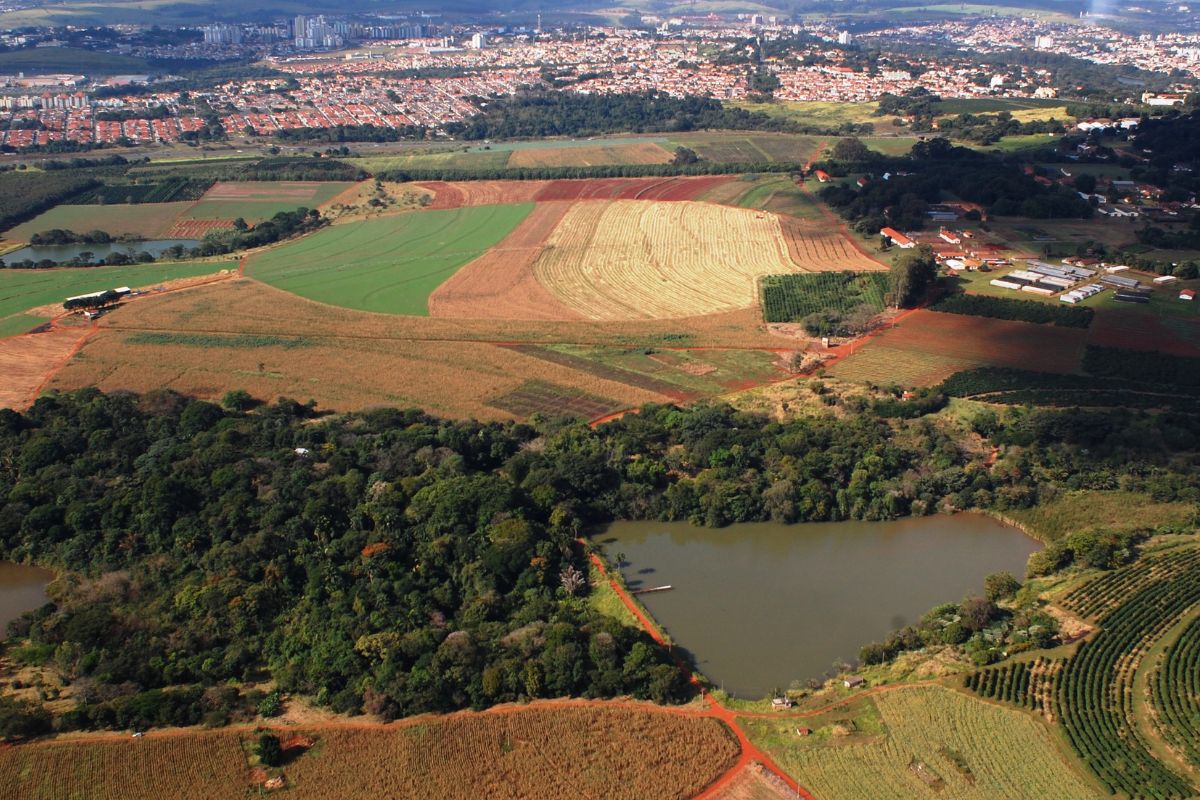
x: 501, y: 284
x: 630, y: 188
x: 28, y: 362
x: 926, y: 347
x: 197, y: 228
x: 1131, y: 330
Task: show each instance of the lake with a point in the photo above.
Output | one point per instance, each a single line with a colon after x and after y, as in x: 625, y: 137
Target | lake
x: 760, y: 605
x: 59, y: 253
x: 22, y: 588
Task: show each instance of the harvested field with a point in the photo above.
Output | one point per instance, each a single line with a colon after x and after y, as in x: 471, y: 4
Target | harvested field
x: 480, y: 193
x: 598, y: 155
x: 500, y: 284
x: 926, y: 347
x: 818, y: 248
x: 149, y: 220
x: 388, y: 264
x: 626, y: 260
x: 197, y: 228
x: 27, y: 361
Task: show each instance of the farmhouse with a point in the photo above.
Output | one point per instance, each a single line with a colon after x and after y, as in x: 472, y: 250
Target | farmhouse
x: 898, y: 238
x: 822, y: 176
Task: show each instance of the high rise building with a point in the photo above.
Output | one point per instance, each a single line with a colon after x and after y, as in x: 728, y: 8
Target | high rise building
x: 845, y: 37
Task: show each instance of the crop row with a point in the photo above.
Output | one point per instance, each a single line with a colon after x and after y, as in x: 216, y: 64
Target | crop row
x: 1029, y: 684
x: 1175, y: 691
x: 978, y: 305
x: 1095, y: 690
x: 1107, y: 592
x: 790, y: 298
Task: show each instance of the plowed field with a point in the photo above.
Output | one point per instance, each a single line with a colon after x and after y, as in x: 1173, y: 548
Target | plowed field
x: 816, y: 248
x: 631, y: 188
x: 481, y: 193
x: 500, y: 284
x: 627, y: 260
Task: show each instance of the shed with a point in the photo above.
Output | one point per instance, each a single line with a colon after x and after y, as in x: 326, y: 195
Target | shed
x: 1187, y: 294
x: 854, y: 681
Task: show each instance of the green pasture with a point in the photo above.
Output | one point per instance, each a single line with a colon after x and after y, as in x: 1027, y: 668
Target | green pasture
x: 19, y: 323
x: 387, y: 264
x: 496, y: 158
x: 23, y: 289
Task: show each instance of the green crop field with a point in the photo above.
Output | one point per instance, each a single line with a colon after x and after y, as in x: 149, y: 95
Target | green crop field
x: 789, y: 298
x: 388, y: 264
x: 446, y: 159
x: 259, y: 200
x: 151, y: 220
x: 23, y: 289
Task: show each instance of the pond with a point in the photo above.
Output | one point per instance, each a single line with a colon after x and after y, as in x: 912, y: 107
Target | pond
x: 60, y: 253
x: 760, y: 605
x: 22, y: 588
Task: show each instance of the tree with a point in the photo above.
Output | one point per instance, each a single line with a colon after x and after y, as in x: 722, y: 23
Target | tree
x: 1000, y: 586
x: 851, y: 149
x: 976, y: 613
x: 237, y: 400
x: 270, y: 751
x: 685, y: 155
x: 911, y: 276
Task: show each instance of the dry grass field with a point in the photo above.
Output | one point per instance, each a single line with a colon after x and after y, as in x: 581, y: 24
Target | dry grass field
x: 243, y: 334
x: 631, y: 260
x: 591, y: 156
x: 525, y: 754
x: 754, y: 782
x: 151, y: 220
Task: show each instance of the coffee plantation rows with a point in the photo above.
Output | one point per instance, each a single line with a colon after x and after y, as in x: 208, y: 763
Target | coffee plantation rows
x: 1091, y: 693
x: 1175, y: 692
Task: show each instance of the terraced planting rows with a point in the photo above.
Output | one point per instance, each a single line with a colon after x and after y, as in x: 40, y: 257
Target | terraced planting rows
x: 818, y: 248
x: 627, y: 260
x: 1175, y: 693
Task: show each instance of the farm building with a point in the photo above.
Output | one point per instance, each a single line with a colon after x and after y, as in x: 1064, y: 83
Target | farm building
x: 898, y: 238
x: 1162, y: 280
x: 822, y: 176
x: 949, y: 236
x: 1187, y: 294
x: 1132, y: 295
x: 854, y: 681
x: 1120, y: 282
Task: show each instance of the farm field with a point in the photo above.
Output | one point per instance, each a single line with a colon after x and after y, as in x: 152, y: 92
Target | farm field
x: 243, y: 334
x: 627, y: 260
x: 25, y: 289
x: 452, y: 159
x: 1110, y: 510
x: 753, y: 148
x: 388, y: 264
x: 526, y: 753
x: 27, y: 360
x: 926, y: 347
x: 790, y: 298
x: 597, y: 154
x: 258, y: 200
x: 926, y: 740
x: 149, y: 220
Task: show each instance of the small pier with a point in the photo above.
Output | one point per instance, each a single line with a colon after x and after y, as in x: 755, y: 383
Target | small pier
x: 666, y: 588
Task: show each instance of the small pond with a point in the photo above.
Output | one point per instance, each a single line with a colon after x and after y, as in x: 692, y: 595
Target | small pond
x: 60, y: 253
x: 22, y: 588
x: 760, y: 605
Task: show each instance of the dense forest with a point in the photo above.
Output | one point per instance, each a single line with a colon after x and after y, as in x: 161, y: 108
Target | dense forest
x: 394, y: 562
x: 539, y: 114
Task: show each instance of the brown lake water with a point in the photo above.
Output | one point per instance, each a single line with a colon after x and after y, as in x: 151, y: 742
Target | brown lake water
x: 760, y: 605
x: 22, y: 588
